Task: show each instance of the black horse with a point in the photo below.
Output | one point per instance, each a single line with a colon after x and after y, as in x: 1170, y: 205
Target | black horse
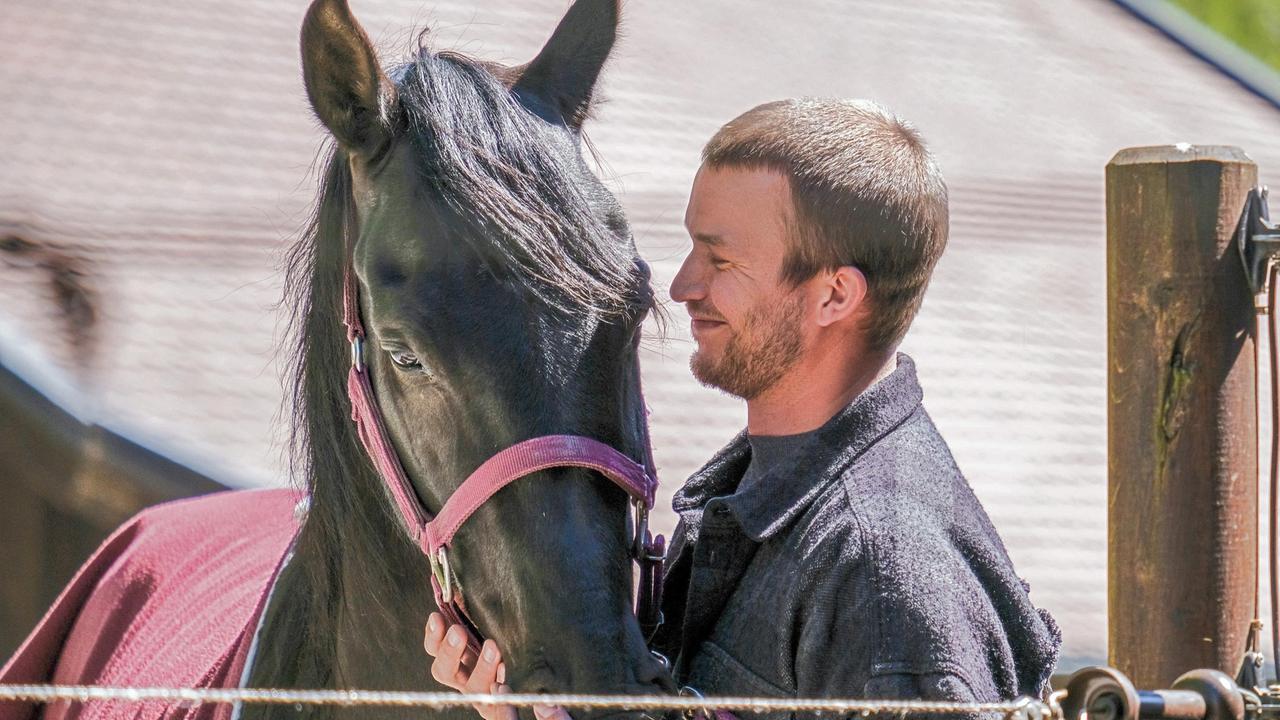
x: 502, y: 295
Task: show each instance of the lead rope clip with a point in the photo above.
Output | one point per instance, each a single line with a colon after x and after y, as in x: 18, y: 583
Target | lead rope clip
x: 443, y: 573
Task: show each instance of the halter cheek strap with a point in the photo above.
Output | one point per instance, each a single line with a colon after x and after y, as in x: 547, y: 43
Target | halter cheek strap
x: 434, y: 535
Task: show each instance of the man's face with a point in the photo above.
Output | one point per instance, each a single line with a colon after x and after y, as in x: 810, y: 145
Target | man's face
x: 746, y: 321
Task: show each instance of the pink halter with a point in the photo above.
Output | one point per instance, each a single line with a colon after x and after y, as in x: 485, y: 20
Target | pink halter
x: 434, y: 535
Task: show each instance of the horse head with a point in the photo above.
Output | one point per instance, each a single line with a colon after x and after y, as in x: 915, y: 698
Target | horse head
x: 502, y: 297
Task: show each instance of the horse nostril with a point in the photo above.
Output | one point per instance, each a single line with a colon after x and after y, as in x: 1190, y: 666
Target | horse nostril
x: 537, y: 678
x: 538, y: 687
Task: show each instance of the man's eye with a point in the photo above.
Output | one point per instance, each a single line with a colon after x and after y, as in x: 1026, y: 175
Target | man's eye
x: 405, y: 359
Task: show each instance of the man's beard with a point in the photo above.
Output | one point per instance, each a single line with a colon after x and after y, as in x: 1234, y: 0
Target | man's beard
x: 756, y: 356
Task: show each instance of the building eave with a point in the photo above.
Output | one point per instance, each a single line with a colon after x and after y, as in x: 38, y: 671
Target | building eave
x: 1254, y: 75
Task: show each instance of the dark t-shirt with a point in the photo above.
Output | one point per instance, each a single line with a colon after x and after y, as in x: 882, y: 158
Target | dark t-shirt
x: 766, y: 452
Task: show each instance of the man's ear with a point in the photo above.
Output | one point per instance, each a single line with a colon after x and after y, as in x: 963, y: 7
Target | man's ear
x: 843, y: 295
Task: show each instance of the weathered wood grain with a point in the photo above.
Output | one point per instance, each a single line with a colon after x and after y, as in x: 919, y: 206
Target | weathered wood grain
x: 1182, y: 456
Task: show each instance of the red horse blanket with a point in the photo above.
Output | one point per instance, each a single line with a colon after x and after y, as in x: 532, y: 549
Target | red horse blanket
x: 171, y: 599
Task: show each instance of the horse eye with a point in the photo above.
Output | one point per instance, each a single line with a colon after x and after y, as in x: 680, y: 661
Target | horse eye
x: 404, y: 359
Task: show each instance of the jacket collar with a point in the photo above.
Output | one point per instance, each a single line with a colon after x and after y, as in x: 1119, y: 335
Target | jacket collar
x: 793, y: 483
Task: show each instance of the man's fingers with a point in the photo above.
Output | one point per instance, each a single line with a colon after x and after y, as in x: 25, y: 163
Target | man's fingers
x: 453, y: 674
x: 498, y: 712
x: 452, y: 666
x: 457, y: 667
x: 434, y: 634
x: 506, y: 712
x: 487, y: 676
x: 485, y: 673
x: 447, y: 673
x: 550, y: 712
x: 488, y: 712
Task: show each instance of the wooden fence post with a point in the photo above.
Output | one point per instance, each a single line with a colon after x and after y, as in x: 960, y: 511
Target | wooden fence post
x: 1182, y: 464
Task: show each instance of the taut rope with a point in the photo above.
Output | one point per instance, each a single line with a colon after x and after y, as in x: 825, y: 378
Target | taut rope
x: 1022, y: 709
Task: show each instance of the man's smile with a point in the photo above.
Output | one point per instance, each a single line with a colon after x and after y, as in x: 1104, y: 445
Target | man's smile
x: 704, y: 325
x: 700, y: 320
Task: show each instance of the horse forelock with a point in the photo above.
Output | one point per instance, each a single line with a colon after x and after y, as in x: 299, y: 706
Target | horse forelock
x: 520, y: 202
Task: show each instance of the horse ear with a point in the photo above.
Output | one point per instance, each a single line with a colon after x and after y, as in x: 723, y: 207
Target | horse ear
x: 566, y: 69
x: 348, y: 90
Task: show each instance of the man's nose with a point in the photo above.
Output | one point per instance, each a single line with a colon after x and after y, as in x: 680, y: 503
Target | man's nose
x: 688, y: 284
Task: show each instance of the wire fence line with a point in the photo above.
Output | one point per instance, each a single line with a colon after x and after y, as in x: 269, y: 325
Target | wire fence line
x: 1022, y: 709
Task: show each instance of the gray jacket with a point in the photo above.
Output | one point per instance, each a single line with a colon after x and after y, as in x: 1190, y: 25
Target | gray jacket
x: 862, y: 566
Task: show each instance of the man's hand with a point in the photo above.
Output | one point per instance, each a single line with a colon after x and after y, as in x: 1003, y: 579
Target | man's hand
x: 458, y: 668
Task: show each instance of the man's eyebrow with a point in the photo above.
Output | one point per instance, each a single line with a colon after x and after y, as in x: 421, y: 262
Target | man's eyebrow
x: 705, y: 239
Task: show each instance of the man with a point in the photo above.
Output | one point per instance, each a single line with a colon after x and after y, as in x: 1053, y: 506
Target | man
x: 833, y: 548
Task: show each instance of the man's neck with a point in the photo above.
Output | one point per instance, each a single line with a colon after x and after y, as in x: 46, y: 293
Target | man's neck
x: 812, y: 393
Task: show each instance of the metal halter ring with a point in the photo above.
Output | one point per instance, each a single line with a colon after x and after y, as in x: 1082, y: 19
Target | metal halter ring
x: 638, y: 550
x: 444, y: 574
x: 694, y: 713
x: 357, y: 353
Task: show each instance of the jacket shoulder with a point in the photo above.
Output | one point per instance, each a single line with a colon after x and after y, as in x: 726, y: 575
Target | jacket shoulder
x: 908, y: 489
x: 905, y: 477
x: 946, y: 596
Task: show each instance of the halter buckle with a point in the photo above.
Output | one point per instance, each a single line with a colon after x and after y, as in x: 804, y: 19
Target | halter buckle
x: 444, y: 574
x: 357, y: 353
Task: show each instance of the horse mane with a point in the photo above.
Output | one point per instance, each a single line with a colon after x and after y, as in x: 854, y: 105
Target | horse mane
x: 515, y: 202
x: 347, y: 517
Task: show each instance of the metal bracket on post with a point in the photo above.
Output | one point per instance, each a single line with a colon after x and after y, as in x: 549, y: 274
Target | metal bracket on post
x: 1257, y: 238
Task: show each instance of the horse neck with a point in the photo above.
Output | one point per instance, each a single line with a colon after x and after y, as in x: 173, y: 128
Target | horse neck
x: 356, y: 623
x: 379, y: 627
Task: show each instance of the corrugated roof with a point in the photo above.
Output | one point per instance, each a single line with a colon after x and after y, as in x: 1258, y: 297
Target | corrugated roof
x: 168, y: 148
